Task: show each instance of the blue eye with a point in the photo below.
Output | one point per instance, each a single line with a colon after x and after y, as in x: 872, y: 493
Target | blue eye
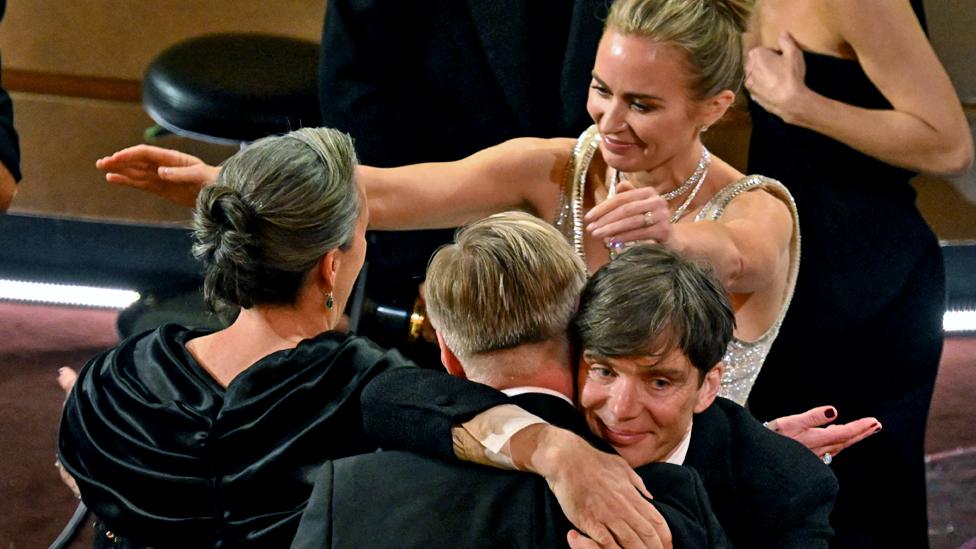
x: 660, y: 383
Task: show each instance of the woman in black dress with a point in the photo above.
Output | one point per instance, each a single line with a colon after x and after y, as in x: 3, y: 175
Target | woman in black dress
x: 849, y: 101
x: 181, y: 436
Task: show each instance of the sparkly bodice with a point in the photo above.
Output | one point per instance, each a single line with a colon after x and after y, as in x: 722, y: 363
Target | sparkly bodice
x: 743, y: 359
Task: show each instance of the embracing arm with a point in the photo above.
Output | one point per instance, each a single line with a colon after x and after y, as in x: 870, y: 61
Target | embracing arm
x: 422, y: 411
x: 925, y: 129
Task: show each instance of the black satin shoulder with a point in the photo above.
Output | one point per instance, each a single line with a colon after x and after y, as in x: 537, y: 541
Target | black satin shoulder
x: 163, y: 454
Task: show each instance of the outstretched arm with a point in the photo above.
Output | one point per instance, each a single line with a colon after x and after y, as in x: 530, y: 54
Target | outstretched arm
x: 173, y: 175
x: 518, y: 174
x: 925, y: 130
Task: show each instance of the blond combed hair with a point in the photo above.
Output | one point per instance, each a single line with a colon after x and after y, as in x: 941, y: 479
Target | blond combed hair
x: 709, y: 32
x: 507, y: 280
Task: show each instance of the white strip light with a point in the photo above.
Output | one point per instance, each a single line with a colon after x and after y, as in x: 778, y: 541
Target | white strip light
x: 959, y: 321
x: 66, y: 294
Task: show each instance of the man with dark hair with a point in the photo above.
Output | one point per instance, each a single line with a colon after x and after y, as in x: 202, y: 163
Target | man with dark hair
x: 517, y: 274
x: 652, y: 328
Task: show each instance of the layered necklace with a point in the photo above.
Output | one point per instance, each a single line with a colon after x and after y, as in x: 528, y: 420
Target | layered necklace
x: 694, y: 183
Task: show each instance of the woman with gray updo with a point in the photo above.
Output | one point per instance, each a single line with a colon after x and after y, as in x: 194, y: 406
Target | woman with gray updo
x: 180, y: 436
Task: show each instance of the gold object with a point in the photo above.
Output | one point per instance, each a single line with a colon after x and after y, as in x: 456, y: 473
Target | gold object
x: 417, y: 318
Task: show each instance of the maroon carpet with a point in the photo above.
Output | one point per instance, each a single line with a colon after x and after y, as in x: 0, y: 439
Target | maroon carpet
x: 35, y: 340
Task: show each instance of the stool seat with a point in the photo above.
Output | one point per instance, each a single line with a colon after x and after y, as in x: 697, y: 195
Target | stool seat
x: 234, y: 87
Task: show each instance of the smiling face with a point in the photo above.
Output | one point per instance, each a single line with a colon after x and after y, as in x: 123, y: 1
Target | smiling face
x: 643, y: 406
x: 640, y: 101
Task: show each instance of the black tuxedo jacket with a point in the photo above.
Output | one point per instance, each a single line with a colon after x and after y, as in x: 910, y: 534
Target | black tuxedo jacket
x: 437, y: 80
x: 402, y: 499
x: 767, y: 491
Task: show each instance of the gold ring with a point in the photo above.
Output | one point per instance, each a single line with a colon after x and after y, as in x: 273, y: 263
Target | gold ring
x: 648, y: 219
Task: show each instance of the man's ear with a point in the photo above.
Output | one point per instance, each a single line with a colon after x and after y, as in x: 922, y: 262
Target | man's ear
x: 449, y: 359
x: 709, y: 388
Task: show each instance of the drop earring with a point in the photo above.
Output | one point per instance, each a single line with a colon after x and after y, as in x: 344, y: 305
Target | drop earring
x: 329, y: 302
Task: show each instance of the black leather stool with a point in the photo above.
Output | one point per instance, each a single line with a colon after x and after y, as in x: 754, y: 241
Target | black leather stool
x: 234, y: 88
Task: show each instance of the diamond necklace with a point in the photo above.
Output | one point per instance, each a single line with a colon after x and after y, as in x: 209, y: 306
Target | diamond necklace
x: 694, y: 182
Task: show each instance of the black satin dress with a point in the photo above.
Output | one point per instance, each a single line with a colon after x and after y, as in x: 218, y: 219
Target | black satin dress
x: 165, y: 456
x: 864, y: 330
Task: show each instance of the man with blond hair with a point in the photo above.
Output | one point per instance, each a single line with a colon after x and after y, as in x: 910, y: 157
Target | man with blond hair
x: 501, y: 298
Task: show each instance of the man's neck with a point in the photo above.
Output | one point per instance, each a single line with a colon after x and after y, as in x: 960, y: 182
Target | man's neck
x: 545, y: 364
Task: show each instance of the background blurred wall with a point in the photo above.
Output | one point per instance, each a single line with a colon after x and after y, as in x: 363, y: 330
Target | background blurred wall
x: 74, y: 69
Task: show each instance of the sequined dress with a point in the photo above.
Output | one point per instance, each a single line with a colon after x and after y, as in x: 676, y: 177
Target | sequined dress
x: 744, y: 359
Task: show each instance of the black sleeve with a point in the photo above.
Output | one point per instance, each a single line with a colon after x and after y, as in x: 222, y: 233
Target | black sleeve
x: 414, y: 409
x: 9, y: 145
x: 795, y: 490
x: 681, y: 498
x: 315, y: 528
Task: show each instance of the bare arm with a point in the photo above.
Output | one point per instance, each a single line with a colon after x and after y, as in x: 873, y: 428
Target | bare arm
x: 925, y: 129
x: 173, y: 175
x: 8, y: 188
x: 517, y: 174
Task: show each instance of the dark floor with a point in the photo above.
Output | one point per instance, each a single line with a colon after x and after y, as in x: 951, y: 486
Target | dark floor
x: 35, y: 340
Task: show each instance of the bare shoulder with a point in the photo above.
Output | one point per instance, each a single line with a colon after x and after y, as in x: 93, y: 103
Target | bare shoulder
x: 860, y: 20
x: 765, y: 207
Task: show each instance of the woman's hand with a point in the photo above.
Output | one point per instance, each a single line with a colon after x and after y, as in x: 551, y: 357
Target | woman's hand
x: 807, y: 428
x: 173, y: 175
x: 66, y: 379
x: 631, y: 215
x: 775, y: 80
x: 599, y: 493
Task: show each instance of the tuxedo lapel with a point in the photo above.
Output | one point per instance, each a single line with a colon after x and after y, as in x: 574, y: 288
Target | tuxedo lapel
x: 710, y: 453
x: 503, y: 31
